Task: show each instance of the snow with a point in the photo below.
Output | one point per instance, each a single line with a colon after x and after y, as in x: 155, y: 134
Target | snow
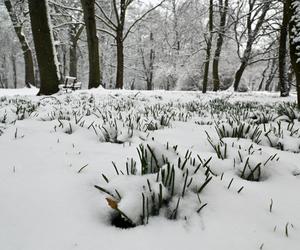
x: 21, y: 92
x: 46, y: 202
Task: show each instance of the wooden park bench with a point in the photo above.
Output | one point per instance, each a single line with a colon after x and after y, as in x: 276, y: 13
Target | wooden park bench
x: 70, y: 83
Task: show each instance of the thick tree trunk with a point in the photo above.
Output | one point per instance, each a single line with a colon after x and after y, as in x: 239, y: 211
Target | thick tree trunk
x: 29, y: 68
x: 73, y: 60
x: 284, y: 83
x: 88, y: 7
x: 208, y: 48
x: 216, y: 78
x: 294, y: 30
x: 75, y: 34
x: 238, y: 75
x: 244, y: 63
x: 44, y: 47
x: 120, y: 63
x: 27, y: 53
x: 223, y: 15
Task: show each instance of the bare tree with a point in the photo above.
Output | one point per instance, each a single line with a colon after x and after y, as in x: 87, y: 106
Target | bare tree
x: 75, y: 32
x: 256, y: 17
x: 44, y: 46
x: 284, y: 83
x: 208, y: 39
x: 27, y: 53
x: 88, y: 7
x: 294, y: 31
x: 68, y: 17
x: 223, y: 9
x: 115, y: 27
x: 148, y: 63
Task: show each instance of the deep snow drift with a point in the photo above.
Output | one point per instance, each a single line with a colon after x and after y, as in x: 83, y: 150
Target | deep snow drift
x: 234, y: 185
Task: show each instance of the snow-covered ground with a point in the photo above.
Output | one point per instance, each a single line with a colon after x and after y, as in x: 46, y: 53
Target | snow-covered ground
x: 53, y: 150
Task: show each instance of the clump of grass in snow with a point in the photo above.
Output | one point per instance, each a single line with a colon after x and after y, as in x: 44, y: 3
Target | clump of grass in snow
x: 165, y: 184
x: 288, y: 111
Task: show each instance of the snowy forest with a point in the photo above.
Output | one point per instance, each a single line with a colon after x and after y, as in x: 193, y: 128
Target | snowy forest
x: 149, y: 124
x: 170, y: 44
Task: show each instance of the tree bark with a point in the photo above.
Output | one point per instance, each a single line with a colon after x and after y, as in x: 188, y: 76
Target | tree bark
x: 75, y: 34
x: 120, y: 62
x: 151, y: 69
x: 14, y: 67
x: 73, y: 60
x: 208, y: 48
x: 223, y: 15
x: 3, y: 72
x: 148, y: 68
x: 272, y: 74
x: 239, y: 74
x: 284, y: 83
x: 27, y: 53
x: 88, y: 7
x: 294, y: 30
x: 260, y: 87
x: 120, y: 43
x: 44, y: 47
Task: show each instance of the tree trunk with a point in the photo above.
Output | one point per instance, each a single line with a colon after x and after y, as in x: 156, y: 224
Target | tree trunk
x: 44, y: 47
x: 73, y: 59
x: 120, y: 63
x: 149, y: 71
x: 14, y: 67
x: 284, y: 83
x: 216, y: 78
x: 88, y: 7
x: 260, y: 87
x: 238, y: 75
x: 223, y: 15
x: 208, y: 48
x: 75, y: 34
x: 151, y: 67
x: 64, y: 69
x: 4, y: 73
x: 294, y: 30
x: 272, y: 74
x: 27, y: 53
